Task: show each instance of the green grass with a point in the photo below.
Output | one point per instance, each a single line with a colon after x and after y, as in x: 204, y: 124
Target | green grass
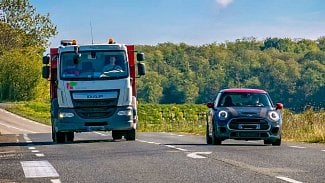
x: 308, y: 126
x: 36, y: 111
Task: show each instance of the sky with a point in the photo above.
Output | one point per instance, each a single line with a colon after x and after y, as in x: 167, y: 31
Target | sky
x: 194, y: 22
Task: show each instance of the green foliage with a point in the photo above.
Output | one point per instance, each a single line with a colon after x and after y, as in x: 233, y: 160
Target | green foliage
x: 22, y: 16
x: 19, y: 74
x: 189, y: 118
x: 292, y: 71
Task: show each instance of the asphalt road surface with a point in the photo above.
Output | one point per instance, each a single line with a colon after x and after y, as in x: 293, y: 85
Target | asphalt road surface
x: 27, y: 154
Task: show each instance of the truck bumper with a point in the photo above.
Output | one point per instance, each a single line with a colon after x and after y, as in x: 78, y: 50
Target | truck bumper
x: 69, y: 121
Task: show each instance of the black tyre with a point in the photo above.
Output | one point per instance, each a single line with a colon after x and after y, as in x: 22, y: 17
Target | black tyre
x: 60, y: 137
x: 267, y: 142
x: 130, y: 135
x: 116, y: 134
x: 215, y: 140
x: 277, y: 142
x: 69, y: 136
x: 207, y: 135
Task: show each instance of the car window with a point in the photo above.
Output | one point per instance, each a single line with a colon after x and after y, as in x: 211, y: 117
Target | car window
x: 244, y: 100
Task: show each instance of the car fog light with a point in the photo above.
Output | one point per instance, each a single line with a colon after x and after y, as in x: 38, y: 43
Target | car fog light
x: 66, y: 115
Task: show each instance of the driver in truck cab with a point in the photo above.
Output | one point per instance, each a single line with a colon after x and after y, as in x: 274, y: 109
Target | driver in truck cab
x: 110, y: 64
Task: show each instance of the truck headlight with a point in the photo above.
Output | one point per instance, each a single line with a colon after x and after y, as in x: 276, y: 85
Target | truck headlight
x: 274, y: 116
x: 66, y: 115
x: 127, y: 112
x: 223, y: 114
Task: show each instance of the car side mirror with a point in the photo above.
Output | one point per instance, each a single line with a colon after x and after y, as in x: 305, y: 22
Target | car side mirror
x: 278, y: 106
x: 210, y: 105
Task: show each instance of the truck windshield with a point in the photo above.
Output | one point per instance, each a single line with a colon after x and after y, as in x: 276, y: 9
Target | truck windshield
x: 244, y: 100
x: 93, y: 65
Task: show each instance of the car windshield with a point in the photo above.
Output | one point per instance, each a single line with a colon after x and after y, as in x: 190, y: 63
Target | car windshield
x: 93, y: 65
x: 244, y: 100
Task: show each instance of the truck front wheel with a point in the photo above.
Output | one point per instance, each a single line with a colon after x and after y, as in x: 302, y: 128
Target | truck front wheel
x: 117, y: 135
x: 130, y: 135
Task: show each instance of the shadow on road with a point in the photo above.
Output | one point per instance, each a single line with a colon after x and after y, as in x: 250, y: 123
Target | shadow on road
x: 218, y: 145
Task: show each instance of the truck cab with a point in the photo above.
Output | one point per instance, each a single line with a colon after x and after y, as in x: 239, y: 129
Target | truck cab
x: 91, y: 93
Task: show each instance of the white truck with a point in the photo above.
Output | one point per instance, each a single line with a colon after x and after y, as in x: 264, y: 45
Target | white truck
x: 85, y: 97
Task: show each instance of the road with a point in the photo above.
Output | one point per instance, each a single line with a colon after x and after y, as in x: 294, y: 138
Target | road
x: 27, y: 154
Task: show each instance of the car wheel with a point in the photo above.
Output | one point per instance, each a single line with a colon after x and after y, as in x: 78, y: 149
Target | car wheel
x: 277, y: 142
x: 215, y: 140
x: 207, y: 135
x: 267, y: 142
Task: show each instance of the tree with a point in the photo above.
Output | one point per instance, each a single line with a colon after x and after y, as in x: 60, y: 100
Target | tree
x: 22, y: 16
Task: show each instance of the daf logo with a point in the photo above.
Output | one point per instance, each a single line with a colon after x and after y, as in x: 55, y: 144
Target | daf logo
x: 94, y: 96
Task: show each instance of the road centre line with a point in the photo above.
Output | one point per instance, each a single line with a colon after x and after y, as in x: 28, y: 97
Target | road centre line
x: 323, y: 150
x: 288, y: 179
x: 31, y: 148
x: 39, y: 155
x: 298, y: 147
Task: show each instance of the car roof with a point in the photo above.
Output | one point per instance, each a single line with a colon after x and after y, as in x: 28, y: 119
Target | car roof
x: 242, y: 90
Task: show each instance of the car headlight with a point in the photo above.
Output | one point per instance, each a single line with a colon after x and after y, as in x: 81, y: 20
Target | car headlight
x: 223, y: 114
x: 274, y: 116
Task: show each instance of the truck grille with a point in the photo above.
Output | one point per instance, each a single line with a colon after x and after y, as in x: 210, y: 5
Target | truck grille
x: 95, y: 108
x: 248, y: 124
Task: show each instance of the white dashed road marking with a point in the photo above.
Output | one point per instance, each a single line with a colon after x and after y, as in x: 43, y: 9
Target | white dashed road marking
x: 288, y: 179
x: 35, y: 169
x: 298, y: 147
x: 39, y: 155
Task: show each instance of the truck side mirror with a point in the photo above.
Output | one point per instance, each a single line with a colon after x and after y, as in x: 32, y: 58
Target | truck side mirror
x: 140, y: 56
x: 46, y: 59
x: 141, y: 69
x: 46, y: 72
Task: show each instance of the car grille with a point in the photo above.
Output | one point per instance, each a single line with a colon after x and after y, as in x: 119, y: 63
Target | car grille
x: 248, y: 124
x: 95, y: 108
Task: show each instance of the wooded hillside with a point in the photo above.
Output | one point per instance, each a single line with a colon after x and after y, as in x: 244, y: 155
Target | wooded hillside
x: 292, y: 71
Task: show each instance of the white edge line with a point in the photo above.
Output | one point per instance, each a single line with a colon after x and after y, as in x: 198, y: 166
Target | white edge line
x: 288, y: 179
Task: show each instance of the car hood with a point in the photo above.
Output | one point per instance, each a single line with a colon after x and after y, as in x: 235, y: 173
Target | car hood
x: 248, y: 111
